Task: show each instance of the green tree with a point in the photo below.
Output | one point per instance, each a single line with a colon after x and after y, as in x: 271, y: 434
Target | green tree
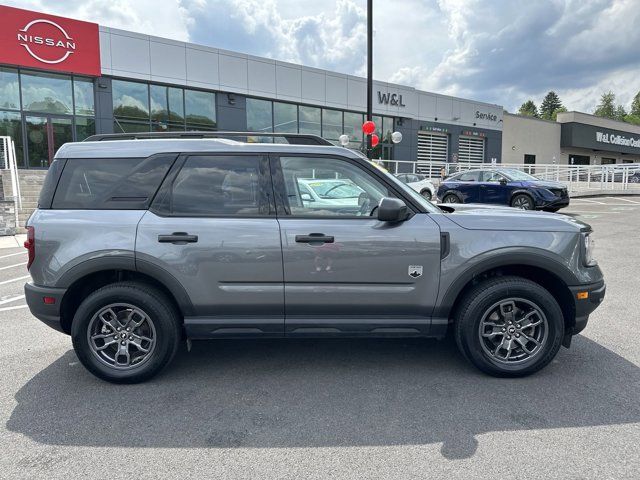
x: 635, y: 105
x: 620, y: 113
x: 554, y: 116
x: 528, y: 109
x: 550, y: 104
x: 633, y: 119
x: 607, y: 106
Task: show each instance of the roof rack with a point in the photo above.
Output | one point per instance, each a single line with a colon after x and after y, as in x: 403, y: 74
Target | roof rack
x: 292, y: 138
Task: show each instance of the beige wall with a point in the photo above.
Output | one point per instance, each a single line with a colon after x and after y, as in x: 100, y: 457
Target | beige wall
x: 525, y: 135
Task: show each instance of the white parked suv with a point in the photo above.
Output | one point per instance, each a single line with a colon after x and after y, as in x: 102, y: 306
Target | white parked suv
x: 419, y: 183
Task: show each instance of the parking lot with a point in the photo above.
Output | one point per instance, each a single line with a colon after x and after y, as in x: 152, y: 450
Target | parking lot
x: 333, y: 408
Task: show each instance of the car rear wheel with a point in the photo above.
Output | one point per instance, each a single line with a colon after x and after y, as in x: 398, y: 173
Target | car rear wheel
x: 426, y: 194
x: 451, y: 198
x: 523, y: 201
x: 125, y: 332
x: 509, y: 327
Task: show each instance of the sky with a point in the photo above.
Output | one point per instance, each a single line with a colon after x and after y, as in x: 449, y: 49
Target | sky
x: 496, y: 51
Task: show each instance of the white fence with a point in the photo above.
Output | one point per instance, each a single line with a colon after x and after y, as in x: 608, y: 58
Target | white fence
x: 578, y: 178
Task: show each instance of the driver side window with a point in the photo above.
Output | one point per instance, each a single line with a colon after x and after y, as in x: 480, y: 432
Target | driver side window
x: 329, y: 187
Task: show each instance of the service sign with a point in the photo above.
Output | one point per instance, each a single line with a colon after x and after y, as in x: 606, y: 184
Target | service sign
x: 47, y: 42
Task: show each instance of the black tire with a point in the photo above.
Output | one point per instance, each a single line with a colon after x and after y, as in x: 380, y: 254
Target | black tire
x: 161, y: 314
x: 480, y: 299
x: 451, y: 198
x: 523, y: 201
x: 426, y: 194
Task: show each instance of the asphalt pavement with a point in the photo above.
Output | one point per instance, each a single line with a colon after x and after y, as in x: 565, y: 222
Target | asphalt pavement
x: 333, y: 408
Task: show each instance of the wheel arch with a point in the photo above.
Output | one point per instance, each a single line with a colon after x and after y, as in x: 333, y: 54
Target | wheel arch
x: 550, y: 274
x: 87, y: 277
x: 522, y: 191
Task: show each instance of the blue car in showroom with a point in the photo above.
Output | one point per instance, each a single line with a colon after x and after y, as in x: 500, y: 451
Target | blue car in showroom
x: 502, y: 186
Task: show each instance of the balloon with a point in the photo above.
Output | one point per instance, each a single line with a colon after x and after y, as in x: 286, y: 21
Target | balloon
x: 344, y: 140
x: 368, y: 127
x: 396, y: 137
x: 374, y: 140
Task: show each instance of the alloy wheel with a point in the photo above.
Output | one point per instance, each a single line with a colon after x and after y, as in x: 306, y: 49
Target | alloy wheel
x: 122, y: 336
x: 523, y: 203
x: 513, y: 331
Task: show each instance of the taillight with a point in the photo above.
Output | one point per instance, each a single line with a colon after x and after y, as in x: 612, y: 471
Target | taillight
x: 30, y: 245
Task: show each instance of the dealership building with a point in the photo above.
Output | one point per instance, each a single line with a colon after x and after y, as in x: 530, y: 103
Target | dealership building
x: 574, y: 139
x: 62, y: 80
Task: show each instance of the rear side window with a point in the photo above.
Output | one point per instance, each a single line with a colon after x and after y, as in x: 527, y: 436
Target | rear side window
x: 50, y: 182
x: 471, y: 176
x: 219, y: 185
x: 111, y: 184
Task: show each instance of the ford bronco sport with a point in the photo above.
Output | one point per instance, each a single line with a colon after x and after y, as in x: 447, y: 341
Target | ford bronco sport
x: 138, y: 244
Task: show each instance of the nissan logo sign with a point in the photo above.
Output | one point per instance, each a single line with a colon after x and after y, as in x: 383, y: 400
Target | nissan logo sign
x: 43, y: 45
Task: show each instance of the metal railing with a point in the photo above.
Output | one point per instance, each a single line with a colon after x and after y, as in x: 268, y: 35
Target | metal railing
x: 577, y: 178
x: 8, y: 164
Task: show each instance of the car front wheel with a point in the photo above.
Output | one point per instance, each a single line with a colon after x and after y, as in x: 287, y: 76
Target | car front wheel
x: 125, y: 332
x: 509, y: 326
x: 451, y: 198
x: 523, y: 201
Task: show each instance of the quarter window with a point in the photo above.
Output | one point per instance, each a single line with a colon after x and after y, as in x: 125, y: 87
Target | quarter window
x: 339, y: 188
x: 220, y: 186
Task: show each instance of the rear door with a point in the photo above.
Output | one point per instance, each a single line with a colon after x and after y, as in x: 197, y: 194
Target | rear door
x: 468, y: 184
x: 346, y: 272
x: 212, y: 229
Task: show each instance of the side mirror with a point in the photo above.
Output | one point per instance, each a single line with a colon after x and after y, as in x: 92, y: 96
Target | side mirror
x: 306, y: 197
x: 503, y: 181
x: 392, y: 210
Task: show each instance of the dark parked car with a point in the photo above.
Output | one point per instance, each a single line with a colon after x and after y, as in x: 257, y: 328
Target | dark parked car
x: 504, y: 187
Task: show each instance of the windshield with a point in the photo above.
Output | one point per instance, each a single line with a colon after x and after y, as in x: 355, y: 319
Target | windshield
x: 335, y: 190
x: 518, y: 175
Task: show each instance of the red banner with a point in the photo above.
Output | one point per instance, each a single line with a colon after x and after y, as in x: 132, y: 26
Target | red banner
x: 48, y: 42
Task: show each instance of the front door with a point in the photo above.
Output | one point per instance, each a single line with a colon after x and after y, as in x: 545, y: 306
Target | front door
x: 494, y: 188
x: 212, y: 228
x: 346, y: 272
x: 45, y: 135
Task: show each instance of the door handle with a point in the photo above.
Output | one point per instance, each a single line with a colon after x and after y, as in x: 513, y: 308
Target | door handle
x: 178, y: 238
x: 314, y: 238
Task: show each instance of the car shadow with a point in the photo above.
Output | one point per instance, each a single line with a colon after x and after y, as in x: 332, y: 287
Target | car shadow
x: 314, y: 393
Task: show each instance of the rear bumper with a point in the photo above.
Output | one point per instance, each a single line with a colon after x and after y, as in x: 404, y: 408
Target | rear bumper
x: 48, y: 313
x: 596, y: 292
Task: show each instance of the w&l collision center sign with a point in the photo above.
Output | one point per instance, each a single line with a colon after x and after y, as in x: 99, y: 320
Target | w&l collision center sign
x: 581, y: 135
x: 48, y: 42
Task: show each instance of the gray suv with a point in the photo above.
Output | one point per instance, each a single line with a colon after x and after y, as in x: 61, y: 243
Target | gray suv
x: 139, y: 244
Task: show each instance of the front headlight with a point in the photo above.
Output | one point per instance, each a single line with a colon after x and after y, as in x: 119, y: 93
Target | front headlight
x: 589, y: 246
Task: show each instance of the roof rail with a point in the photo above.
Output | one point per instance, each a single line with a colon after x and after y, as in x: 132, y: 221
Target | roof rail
x: 292, y: 138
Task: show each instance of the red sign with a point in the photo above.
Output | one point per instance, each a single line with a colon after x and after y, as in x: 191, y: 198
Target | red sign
x: 38, y: 40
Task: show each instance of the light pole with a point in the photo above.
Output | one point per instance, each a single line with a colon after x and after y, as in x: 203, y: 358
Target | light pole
x: 369, y: 71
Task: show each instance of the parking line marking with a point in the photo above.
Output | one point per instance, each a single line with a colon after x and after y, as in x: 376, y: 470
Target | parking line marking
x: 590, y: 201
x: 6, y: 309
x: 13, y: 254
x: 12, y: 266
x: 625, y: 200
x: 11, y: 299
x: 11, y: 280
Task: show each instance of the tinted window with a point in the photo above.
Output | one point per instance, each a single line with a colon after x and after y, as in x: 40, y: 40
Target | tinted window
x: 9, y: 89
x: 340, y: 188
x: 285, y: 117
x: 130, y: 100
x: 46, y: 92
x: 331, y: 124
x: 200, y: 108
x: 120, y: 183
x: 471, y: 176
x: 309, y: 121
x: 490, y: 176
x: 259, y: 115
x: 220, y: 185
x: 83, y: 95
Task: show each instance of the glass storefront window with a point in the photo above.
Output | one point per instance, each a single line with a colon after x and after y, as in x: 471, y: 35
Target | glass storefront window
x: 130, y: 99
x: 259, y: 115
x: 200, y: 108
x: 167, y: 104
x: 10, y: 125
x: 309, y: 120
x: 85, y: 127
x: 387, y: 129
x: 353, y: 127
x: 285, y: 117
x: 83, y: 96
x: 121, y: 126
x: 9, y: 89
x: 46, y: 92
x: 331, y: 124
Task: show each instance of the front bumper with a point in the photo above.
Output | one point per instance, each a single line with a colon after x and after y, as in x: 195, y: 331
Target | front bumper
x: 48, y: 313
x: 583, y: 307
x: 558, y: 203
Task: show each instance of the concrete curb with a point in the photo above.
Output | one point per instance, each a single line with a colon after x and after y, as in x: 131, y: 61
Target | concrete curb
x: 604, y: 193
x: 12, y: 241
